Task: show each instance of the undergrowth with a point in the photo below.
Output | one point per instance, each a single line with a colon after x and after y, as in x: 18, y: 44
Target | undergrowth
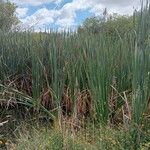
x: 93, y: 89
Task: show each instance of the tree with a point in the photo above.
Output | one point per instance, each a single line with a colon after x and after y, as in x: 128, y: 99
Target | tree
x: 8, y: 17
x: 110, y: 26
x: 91, y: 25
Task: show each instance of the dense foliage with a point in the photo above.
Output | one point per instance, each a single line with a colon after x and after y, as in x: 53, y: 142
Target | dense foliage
x: 111, y: 25
x: 7, y: 15
x: 102, y: 77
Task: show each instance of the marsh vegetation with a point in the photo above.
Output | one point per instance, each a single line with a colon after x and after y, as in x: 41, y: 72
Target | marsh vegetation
x: 84, y: 90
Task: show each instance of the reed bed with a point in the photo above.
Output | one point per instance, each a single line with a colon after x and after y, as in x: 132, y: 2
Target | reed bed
x: 95, y: 76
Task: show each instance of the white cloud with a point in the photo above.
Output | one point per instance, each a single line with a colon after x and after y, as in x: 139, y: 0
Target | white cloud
x: 68, y: 11
x: 97, y: 9
x: 116, y: 6
x: 40, y: 19
x: 65, y: 16
x: 34, y: 2
x: 21, y: 12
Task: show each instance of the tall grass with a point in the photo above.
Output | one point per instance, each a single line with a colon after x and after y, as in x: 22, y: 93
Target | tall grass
x: 115, y: 72
x: 141, y: 69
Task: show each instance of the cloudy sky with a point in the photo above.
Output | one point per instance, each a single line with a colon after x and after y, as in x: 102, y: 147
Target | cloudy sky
x: 62, y: 14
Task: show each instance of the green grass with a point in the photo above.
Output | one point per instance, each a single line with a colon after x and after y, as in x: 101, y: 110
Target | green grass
x: 31, y: 135
x: 114, y: 70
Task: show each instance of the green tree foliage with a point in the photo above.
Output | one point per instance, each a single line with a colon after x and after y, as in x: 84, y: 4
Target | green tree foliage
x: 114, y: 24
x: 7, y: 15
x: 92, y: 25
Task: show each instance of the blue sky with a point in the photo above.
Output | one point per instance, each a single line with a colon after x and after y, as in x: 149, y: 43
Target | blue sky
x: 64, y: 14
